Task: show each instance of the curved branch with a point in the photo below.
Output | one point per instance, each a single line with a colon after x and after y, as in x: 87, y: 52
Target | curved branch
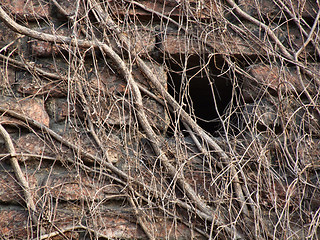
x: 267, y: 29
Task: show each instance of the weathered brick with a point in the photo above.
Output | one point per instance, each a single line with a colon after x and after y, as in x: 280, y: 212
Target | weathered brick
x: 271, y: 78
x: 230, y: 43
x: 10, y: 189
x: 7, y: 38
x: 59, y: 108
x: 14, y: 224
x: 42, y: 49
x: 71, y: 188
x: 32, y: 108
x: 32, y: 144
x: 7, y: 77
x: 39, y: 48
x: 157, y: 114
x: 28, y: 9
x: 70, y: 7
x: 177, y: 44
x: 115, y: 226
x: 270, y: 9
x: 142, y: 41
x: 201, y: 9
x: 31, y: 86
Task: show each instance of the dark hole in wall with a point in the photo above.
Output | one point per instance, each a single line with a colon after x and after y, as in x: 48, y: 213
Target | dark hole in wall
x: 205, y: 94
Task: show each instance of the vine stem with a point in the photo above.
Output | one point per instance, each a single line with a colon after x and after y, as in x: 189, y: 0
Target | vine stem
x: 18, y: 172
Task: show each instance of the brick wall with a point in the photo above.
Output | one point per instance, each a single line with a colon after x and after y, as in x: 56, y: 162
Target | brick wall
x: 74, y: 195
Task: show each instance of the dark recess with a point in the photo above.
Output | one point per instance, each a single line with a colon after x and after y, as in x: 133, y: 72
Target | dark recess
x: 206, y: 93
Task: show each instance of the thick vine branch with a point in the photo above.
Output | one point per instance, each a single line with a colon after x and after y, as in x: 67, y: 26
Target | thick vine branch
x: 18, y: 172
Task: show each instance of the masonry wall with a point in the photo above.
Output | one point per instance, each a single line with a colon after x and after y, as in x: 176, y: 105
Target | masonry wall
x: 77, y: 199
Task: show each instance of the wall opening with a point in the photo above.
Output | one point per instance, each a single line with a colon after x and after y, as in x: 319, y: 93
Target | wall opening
x: 203, y: 92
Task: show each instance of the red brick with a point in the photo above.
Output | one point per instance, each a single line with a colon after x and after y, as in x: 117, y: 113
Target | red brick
x: 143, y: 41
x: 179, y: 44
x: 30, y: 86
x: 42, y: 49
x: 7, y: 38
x: 58, y: 109
x: 32, y: 144
x: 273, y: 77
x: 270, y: 10
x: 200, y: 9
x: 7, y: 77
x: 28, y: 9
x: 14, y: 224
x: 116, y: 227
x: 10, y: 190
x: 32, y: 108
x: 70, y: 7
x: 47, y: 49
x: 70, y: 188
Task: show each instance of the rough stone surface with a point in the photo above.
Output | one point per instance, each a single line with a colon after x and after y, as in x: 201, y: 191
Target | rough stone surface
x: 59, y: 109
x: 270, y: 10
x: 201, y: 9
x: 32, y: 144
x: 69, y: 196
x: 270, y: 78
x: 14, y: 224
x: 28, y: 84
x: 28, y: 9
x: 10, y: 190
x: 7, y: 78
x: 8, y: 39
x: 71, y: 188
x: 32, y: 108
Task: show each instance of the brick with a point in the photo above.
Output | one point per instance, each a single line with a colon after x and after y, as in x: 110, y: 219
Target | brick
x: 7, y: 38
x: 66, y: 215
x: 28, y: 9
x: 42, y: 49
x: 29, y: 84
x: 143, y: 41
x: 157, y: 114
x: 277, y: 193
x: 32, y: 86
x: 272, y: 78
x: 117, y: 227
x: 70, y: 7
x: 114, y: 226
x: 7, y: 77
x: 14, y: 224
x: 179, y: 44
x: 204, y: 9
x: 71, y: 188
x: 261, y: 116
x: 39, y: 48
x: 32, y: 108
x: 32, y: 144
x: 58, y: 109
x: 10, y: 189
x: 269, y: 9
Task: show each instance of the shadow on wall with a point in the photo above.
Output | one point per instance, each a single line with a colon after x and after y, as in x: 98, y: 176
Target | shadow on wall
x: 204, y: 95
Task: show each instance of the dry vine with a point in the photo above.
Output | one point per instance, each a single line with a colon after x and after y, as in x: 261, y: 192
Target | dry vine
x: 255, y: 171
